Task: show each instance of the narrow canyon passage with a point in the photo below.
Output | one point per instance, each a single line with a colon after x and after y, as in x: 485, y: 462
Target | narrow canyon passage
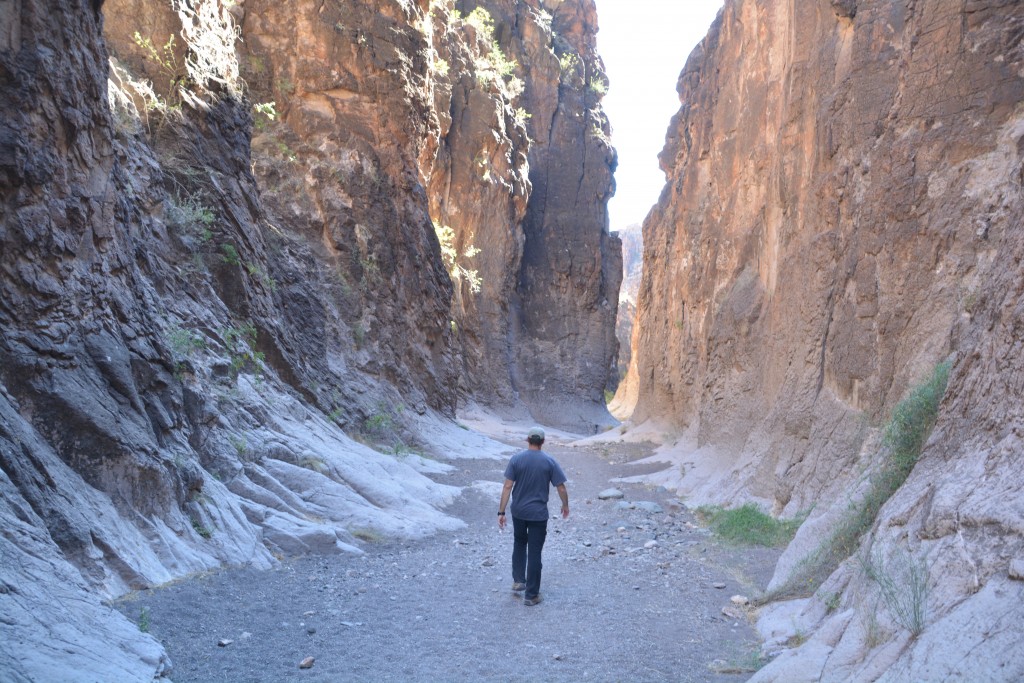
x: 629, y: 594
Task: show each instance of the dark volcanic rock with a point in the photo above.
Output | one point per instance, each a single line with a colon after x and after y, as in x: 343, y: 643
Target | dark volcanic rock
x: 565, y: 345
x: 198, y: 295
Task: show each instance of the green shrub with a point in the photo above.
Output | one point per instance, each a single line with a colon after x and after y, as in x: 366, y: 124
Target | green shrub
x: 748, y: 525
x: 187, y: 213
x: 903, y: 582
x: 904, y: 436
x: 230, y: 255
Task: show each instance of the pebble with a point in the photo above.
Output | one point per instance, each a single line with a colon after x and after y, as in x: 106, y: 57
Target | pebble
x: 488, y: 562
x: 739, y: 600
x: 310, y: 630
x: 651, y: 544
x: 307, y: 663
x: 587, y: 544
x: 557, y: 658
x: 718, y: 585
x: 648, y: 506
x: 732, y: 612
x: 609, y: 494
x: 224, y: 642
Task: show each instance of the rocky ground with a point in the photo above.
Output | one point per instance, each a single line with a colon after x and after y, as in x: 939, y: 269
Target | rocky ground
x: 632, y: 590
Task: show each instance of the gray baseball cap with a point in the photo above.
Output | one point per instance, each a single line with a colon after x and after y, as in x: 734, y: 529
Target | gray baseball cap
x: 535, y: 431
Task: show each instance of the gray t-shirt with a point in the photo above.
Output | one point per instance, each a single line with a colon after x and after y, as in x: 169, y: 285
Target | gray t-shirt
x: 532, y: 472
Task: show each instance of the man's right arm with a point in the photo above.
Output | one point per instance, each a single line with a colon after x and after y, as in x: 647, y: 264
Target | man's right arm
x: 563, y: 493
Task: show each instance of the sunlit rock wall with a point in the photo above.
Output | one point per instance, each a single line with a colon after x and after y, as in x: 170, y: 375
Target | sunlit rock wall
x: 842, y: 213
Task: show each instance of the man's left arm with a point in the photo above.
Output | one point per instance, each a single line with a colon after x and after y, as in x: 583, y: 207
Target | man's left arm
x: 563, y: 493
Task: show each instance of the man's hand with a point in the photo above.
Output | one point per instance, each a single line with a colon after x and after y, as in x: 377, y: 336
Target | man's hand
x: 565, y: 512
x: 506, y: 491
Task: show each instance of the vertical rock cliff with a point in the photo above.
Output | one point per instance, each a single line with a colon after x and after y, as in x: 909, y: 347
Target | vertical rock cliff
x: 234, y: 249
x: 565, y: 345
x: 841, y: 214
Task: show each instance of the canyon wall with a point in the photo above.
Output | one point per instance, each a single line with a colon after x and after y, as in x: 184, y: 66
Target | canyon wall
x: 229, y: 265
x: 842, y: 213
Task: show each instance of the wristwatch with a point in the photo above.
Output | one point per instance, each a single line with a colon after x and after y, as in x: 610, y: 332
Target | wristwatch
x: 501, y: 514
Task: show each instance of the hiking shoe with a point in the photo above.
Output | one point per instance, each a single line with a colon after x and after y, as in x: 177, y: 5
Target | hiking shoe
x: 530, y: 602
x: 518, y: 587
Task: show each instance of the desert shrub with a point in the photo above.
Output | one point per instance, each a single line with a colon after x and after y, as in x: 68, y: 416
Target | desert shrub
x: 903, y: 583
x: 189, y: 214
x: 748, y: 525
x: 451, y: 258
x: 903, y: 438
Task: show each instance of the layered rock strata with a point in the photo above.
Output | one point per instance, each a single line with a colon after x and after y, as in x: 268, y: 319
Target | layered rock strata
x: 841, y: 214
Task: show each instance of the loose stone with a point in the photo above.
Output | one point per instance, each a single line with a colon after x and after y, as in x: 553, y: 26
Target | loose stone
x: 307, y: 663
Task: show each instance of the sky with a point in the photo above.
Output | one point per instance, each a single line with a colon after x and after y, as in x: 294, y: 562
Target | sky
x: 644, y: 44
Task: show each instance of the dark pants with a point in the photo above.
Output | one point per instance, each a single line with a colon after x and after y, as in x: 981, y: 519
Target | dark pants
x: 529, y: 542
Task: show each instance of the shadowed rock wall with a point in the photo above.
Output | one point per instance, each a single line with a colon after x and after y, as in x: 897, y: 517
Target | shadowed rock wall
x: 572, y: 266
x: 203, y: 299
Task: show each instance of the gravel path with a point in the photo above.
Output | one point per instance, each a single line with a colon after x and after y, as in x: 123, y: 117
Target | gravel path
x: 616, y: 607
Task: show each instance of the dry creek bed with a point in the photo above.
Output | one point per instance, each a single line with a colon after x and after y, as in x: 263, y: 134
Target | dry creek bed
x: 630, y: 593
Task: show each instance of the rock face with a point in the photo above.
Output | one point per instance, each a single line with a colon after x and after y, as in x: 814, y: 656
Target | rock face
x: 632, y: 269
x: 842, y: 212
x: 203, y: 300
x: 565, y: 345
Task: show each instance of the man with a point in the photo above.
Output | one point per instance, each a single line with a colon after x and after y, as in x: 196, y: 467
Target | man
x: 528, y: 478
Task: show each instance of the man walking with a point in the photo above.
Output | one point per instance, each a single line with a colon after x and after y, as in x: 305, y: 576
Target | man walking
x: 528, y: 478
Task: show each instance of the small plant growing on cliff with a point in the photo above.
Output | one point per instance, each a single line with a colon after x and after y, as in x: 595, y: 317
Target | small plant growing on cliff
x: 904, y: 437
x: 481, y: 20
x: 493, y: 67
x: 450, y: 256
x: 144, y: 620
x: 568, y: 62
x: 185, y: 342
x: 264, y: 113
x: 522, y: 116
x: 230, y: 255
x: 165, y: 59
x: 903, y: 583
x: 240, y: 342
x: 257, y: 273
x: 188, y: 213
x: 201, y: 529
